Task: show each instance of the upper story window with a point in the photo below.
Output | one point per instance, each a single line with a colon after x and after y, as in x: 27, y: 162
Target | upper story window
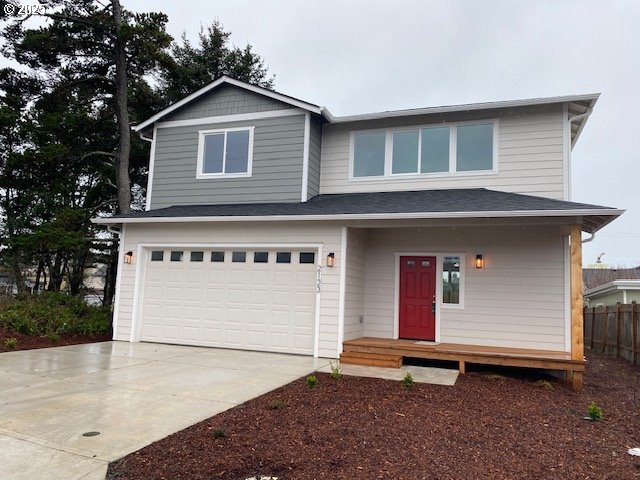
x: 225, y: 152
x: 451, y: 149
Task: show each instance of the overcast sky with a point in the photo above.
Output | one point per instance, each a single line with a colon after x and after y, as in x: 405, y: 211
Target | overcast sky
x: 363, y: 56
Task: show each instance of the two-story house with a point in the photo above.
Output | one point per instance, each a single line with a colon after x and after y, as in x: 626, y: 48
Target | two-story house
x: 442, y: 232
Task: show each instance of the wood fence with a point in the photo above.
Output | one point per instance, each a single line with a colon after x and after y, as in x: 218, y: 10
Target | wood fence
x: 613, y: 330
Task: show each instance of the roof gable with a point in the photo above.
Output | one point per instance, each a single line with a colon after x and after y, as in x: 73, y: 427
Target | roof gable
x: 226, y: 81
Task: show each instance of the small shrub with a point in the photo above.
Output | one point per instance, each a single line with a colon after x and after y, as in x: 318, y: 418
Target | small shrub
x: 54, y: 337
x: 546, y: 384
x: 277, y: 404
x: 312, y: 382
x: 594, y: 411
x: 407, y: 381
x: 219, y: 432
x: 10, y: 343
x: 336, y: 374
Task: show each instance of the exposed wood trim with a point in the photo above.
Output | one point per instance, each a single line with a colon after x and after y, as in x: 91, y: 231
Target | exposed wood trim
x: 577, y: 318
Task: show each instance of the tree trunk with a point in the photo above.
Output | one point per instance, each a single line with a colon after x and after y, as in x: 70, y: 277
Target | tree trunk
x: 123, y: 181
x: 110, y: 277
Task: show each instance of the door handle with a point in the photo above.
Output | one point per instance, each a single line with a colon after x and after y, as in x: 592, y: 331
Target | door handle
x: 433, y: 307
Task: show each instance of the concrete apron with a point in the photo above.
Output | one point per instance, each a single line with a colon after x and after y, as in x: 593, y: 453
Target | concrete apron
x: 133, y: 394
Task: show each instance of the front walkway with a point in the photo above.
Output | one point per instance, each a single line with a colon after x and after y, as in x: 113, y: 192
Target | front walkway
x: 132, y: 394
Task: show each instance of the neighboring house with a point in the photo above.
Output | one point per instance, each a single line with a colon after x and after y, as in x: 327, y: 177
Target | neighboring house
x: 594, y: 277
x: 272, y: 225
x: 617, y: 291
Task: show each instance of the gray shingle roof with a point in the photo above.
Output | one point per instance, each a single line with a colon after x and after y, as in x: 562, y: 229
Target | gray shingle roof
x: 474, y: 200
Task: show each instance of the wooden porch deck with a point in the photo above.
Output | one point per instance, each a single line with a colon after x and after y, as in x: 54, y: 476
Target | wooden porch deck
x: 384, y: 352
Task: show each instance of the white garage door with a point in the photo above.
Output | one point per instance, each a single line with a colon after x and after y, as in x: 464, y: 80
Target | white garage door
x: 234, y: 298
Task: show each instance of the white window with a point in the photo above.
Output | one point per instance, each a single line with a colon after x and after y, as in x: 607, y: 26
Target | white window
x: 453, y: 280
x: 431, y: 150
x: 225, y: 152
x: 369, y: 154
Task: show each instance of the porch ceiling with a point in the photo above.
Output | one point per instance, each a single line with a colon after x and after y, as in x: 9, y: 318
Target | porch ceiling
x: 419, y: 204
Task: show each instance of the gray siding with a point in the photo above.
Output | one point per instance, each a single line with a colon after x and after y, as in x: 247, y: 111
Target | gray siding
x: 226, y: 100
x: 276, y: 173
x: 315, y: 141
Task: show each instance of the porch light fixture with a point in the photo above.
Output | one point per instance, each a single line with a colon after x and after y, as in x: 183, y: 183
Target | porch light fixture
x: 128, y: 257
x: 331, y: 259
x: 479, y: 261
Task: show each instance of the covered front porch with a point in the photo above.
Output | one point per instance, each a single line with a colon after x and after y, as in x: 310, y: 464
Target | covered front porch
x: 481, y: 291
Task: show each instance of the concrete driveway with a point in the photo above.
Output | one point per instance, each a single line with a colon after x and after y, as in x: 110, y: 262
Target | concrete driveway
x: 132, y: 393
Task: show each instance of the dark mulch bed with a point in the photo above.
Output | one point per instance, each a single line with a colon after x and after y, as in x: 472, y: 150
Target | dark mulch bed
x: 486, y: 427
x: 28, y: 342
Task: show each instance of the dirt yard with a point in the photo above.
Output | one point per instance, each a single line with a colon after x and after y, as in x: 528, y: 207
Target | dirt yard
x: 28, y: 342
x: 488, y: 426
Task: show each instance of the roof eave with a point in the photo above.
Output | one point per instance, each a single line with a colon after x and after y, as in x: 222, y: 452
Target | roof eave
x: 608, y: 214
x: 592, y: 97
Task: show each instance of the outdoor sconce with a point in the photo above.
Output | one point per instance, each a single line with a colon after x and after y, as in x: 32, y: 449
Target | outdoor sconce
x: 479, y: 261
x: 128, y: 257
x: 331, y: 259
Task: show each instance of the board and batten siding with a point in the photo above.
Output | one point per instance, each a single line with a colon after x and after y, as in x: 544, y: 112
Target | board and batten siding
x: 315, y: 142
x: 226, y: 100
x: 355, y: 282
x: 530, y: 156
x: 516, y: 301
x: 246, y: 233
x: 278, y: 145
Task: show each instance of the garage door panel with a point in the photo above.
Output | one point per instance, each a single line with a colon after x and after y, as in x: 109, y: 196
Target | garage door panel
x: 235, y: 315
x: 236, y: 295
x: 233, y: 337
x: 191, y: 333
x: 257, y: 317
x: 282, y: 279
x: 212, y: 335
x: 170, y: 332
x: 237, y: 277
x: 266, y: 306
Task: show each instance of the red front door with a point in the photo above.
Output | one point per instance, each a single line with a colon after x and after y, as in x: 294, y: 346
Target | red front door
x: 417, y: 298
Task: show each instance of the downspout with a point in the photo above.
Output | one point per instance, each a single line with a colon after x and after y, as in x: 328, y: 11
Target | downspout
x: 590, y: 239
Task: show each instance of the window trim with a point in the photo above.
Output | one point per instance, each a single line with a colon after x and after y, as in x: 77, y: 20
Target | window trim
x: 453, y: 141
x: 200, y: 158
x: 461, y: 285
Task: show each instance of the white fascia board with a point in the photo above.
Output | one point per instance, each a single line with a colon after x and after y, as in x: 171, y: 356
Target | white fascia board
x: 224, y: 79
x: 630, y: 284
x: 467, y: 107
x: 239, y: 117
x: 364, y: 216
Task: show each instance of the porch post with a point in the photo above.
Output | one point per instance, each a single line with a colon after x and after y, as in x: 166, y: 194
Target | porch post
x: 577, y: 320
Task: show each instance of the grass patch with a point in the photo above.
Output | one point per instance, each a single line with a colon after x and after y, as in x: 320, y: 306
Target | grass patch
x: 52, y: 314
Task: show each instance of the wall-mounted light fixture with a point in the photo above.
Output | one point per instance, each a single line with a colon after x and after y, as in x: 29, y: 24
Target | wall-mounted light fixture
x: 331, y: 259
x: 479, y: 261
x: 128, y: 257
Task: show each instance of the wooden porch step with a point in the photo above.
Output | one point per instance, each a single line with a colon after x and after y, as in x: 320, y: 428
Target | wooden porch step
x: 371, y: 359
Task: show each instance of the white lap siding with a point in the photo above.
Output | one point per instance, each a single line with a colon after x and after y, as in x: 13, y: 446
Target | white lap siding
x: 530, y: 158
x: 329, y: 236
x: 517, y: 300
x: 355, y: 281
